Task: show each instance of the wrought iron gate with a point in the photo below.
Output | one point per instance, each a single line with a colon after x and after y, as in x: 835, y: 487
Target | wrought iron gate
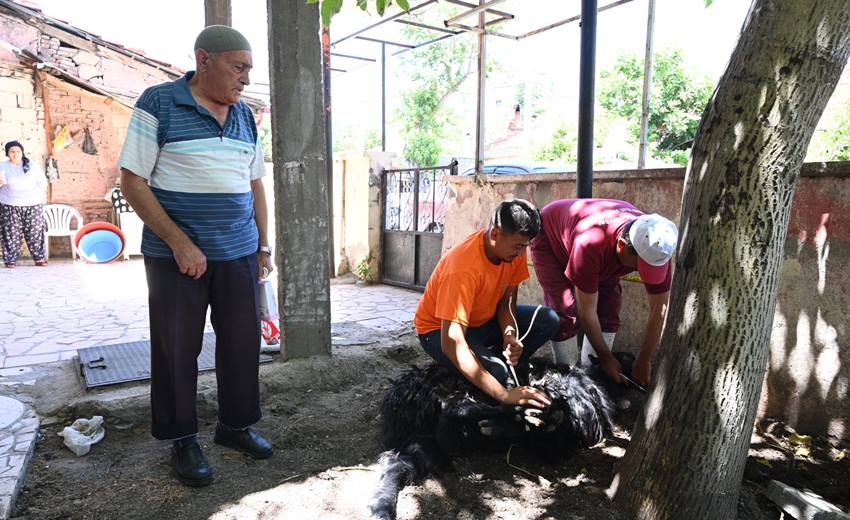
x: 414, y: 212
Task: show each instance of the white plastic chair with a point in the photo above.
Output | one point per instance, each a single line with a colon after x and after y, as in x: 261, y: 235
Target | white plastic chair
x: 57, y: 223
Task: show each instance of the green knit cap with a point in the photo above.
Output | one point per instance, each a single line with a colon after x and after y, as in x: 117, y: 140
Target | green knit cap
x: 221, y: 38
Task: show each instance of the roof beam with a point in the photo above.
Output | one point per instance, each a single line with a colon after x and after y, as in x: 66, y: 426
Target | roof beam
x: 385, y: 20
x: 378, y: 40
x: 426, y: 26
x: 490, y: 11
x: 475, y: 10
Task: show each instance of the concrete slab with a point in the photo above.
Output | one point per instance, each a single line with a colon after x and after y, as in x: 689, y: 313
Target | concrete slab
x: 802, y: 504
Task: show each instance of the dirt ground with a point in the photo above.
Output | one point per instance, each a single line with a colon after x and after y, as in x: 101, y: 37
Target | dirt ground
x: 321, y: 415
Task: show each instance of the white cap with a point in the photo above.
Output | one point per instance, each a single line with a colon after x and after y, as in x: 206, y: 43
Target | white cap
x: 654, y: 238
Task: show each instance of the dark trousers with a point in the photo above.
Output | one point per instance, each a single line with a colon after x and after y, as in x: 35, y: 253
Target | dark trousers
x: 486, y: 341
x: 559, y: 292
x: 21, y: 222
x: 178, y: 308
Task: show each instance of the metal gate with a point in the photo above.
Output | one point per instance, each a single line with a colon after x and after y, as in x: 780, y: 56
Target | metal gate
x: 414, y: 212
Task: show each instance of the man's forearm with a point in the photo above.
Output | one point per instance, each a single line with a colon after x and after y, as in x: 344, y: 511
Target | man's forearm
x: 467, y: 363
x: 144, y: 203
x: 261, y: 211
x: 651, y: 336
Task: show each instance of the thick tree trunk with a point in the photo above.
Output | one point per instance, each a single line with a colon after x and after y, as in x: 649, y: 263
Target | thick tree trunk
x: 689, y: 447
x: 300, y: 178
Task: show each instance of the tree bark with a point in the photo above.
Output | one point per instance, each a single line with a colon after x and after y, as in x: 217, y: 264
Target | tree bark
x: 300, y: 178
x: 689, y: 448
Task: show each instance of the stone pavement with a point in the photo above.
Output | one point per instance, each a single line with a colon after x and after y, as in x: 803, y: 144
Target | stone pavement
x: 47, y: 313
x: 18, y: 432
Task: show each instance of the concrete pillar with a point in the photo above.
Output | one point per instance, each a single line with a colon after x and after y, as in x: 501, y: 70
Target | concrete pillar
x: 218, y: 12
x: 301, y: 180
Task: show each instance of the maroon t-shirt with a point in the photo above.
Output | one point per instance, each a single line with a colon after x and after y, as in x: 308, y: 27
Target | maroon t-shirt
x: 582, y: 234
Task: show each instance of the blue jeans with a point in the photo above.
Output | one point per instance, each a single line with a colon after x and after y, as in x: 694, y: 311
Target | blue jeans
x: 486, y: 340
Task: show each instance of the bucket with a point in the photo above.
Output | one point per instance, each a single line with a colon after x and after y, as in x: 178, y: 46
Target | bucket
x: 99, y: 242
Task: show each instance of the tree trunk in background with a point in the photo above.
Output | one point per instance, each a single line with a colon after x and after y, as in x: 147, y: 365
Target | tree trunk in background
x: 689, y: 448
x: 218, y: 12
x: 300, y: 178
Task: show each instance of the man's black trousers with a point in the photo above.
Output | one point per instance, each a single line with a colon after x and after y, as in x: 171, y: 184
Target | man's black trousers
x: 178, y: 308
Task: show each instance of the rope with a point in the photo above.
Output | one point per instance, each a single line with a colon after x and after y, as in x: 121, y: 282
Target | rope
x: 516, y: 327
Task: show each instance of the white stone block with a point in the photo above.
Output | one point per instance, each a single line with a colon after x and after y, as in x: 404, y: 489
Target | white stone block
x: 88, y: 72
x: 86, y: 58
x: 803, y: 505
x: 25, y: 101
x: 8, y: 99
x: 18, y: 115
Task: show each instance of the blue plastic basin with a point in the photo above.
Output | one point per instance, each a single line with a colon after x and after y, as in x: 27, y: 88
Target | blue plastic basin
x: 100, y: 246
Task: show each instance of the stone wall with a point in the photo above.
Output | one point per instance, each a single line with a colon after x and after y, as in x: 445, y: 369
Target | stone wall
x: 808, y: 379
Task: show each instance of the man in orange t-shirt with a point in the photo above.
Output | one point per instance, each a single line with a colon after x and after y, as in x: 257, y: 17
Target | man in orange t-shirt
x: 464, y: 318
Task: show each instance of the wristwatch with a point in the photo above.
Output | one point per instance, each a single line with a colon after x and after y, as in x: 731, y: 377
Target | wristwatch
x: 265, y: 249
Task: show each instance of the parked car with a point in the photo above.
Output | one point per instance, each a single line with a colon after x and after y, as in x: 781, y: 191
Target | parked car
x: 519, y: 169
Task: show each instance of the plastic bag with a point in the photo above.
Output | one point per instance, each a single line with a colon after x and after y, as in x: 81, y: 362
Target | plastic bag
x: 51, y: 170
x: 268, y: 303
x: 88, y: 143
x: 80, y: 436
x: 62, y: 138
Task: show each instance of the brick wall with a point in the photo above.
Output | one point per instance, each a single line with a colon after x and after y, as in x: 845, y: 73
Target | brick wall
x: 84, y: 179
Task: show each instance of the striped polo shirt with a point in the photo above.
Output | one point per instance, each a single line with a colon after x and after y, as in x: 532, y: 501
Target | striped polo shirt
x: 199, y: 171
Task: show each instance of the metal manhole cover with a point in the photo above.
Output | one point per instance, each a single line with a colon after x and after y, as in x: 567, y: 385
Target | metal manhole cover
x: 123, y: 362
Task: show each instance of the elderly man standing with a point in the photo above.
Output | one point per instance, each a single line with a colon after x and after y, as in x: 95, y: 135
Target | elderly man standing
x: 191, y: 167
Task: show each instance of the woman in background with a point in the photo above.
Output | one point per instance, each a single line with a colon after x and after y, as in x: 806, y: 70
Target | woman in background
x: 22, y: 186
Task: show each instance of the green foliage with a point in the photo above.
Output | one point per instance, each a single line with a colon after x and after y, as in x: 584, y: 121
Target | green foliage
x: 372, y: 139
x: 436, y: 71
x: 355, y: 138
x: 363, y: 270
x: 331, y: 7
x: 837, y: 142
x: 533, y: 99
x: 265, y: 132
x: 562, y: 146
x: 675, y: 109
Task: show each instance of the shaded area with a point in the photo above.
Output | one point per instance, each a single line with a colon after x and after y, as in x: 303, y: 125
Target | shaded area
x: 322, y: 415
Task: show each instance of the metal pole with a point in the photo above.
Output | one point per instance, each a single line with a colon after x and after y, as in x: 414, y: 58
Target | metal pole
x: 383, y: 97
x: 587, y: 78
x: 326, y: 90
x: 482, y: 78
x: 647, y: 84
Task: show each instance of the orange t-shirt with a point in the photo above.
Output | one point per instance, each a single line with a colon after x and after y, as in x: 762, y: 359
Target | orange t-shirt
x: 466, y: 287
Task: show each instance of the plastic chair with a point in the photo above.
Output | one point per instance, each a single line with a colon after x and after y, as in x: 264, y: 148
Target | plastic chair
x: 57, y: 223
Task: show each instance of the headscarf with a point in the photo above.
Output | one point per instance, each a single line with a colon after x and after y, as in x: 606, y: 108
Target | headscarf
x: 25, y: 161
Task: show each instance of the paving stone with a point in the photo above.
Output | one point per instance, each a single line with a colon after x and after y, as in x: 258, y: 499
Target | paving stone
x: 25, y: 426
x: 7, y: 486
x: 23, y: 446
x: 6, y: 372
x: 5, y: 506
x: 16, y: 361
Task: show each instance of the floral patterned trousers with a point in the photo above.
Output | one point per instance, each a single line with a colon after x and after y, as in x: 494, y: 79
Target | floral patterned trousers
x: 17, y: 222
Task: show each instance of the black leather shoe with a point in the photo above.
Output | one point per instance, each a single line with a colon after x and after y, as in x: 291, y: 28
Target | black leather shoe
x: 247, y: 441
x: 190, y: 465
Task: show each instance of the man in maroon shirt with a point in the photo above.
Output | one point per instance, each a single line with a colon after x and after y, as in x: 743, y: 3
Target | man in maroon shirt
x: 585, y: 247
